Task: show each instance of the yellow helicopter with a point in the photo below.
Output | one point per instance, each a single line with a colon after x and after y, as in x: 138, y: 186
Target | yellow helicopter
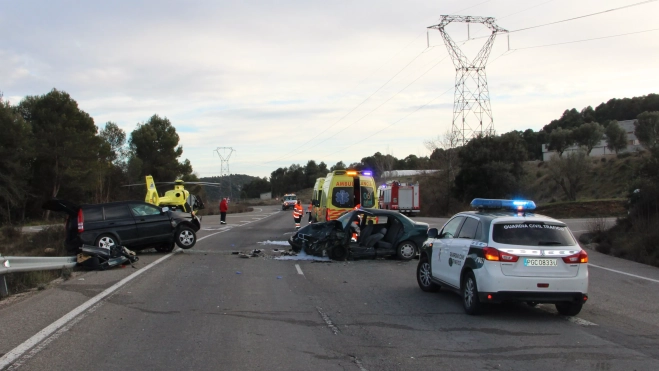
x: 178, y: 198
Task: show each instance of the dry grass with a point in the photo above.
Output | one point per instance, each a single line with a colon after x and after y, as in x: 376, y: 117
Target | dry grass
x: 608, y: 178
x: 47, y: 242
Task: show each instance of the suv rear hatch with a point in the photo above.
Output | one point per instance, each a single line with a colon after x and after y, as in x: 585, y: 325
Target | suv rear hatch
x: 74, y: 219
x: 536, y: 248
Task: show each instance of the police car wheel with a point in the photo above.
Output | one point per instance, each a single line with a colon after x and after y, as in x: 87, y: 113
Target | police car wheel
x: 406, y: 250
x: 470, y: 300
x: 569, y: 309
x: 423, y: 275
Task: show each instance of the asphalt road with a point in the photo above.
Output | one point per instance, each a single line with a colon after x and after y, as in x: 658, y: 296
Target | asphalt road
x: 207, y: 309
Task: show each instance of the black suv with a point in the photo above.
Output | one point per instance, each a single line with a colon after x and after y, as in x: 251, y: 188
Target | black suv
x: 134, y: 224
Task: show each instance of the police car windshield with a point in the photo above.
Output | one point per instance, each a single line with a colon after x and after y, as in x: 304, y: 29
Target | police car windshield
x: 289, y: 198
x: 532, y: 234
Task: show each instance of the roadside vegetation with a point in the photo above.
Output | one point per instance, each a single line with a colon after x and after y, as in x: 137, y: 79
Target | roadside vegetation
x: 47, y: 242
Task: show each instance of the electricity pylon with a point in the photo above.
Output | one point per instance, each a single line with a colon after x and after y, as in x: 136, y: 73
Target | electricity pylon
x: 471, y: 100
x: 224, y: 167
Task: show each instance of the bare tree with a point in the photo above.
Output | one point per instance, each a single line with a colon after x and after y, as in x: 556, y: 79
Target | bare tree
x: 569, y: 172
x: 445, y: 154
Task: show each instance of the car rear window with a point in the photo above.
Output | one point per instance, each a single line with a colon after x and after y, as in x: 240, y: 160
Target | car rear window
x: 93, y: 214
x: 117, y: 212
x: 532, y: 234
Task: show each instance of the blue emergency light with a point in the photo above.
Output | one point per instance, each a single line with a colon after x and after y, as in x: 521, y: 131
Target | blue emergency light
x: 367, y: 173
x: 518, y: 205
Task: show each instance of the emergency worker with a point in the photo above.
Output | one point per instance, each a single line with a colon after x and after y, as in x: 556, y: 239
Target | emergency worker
x: 224, y: 207
x: 297, y: 213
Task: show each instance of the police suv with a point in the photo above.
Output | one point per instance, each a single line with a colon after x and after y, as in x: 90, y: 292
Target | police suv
x: 503, y: 252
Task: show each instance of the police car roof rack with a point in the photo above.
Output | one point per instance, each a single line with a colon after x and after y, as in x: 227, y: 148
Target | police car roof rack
x: 521, y: 206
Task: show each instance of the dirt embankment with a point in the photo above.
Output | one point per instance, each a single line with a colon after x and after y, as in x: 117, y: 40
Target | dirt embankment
x: 584, y: 209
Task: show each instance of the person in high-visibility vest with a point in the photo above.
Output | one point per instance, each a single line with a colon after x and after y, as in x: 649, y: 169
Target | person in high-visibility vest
x: 297, y: 214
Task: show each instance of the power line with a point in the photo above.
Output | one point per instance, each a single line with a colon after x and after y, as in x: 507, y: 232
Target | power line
x: 383, y: 103
x: 351, y: 111
x: 591, y: 39
x: 569, y: 19
x: 393, y: 123
x: 584, y: 16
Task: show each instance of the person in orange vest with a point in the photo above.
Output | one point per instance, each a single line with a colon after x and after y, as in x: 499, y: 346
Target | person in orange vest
x: 309, y: 210
x: 297, y: 214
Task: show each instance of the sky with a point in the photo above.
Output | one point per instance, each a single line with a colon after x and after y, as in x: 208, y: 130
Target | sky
x: 285, y: 82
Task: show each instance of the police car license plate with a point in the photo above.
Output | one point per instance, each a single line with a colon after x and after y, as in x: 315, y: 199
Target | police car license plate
x: 540, y: 262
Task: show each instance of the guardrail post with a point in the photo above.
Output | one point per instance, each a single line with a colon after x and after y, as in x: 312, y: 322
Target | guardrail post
x: 3, y: 287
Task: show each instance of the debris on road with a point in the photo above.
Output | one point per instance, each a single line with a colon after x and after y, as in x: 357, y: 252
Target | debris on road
x: 102, y: 258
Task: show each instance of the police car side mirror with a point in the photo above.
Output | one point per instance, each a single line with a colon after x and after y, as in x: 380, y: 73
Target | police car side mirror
x: 432, y: 233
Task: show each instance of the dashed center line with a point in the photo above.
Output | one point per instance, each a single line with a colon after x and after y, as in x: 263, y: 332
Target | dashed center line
x: 327, y: 320
x: 299, y: 270
x: 580, y: 322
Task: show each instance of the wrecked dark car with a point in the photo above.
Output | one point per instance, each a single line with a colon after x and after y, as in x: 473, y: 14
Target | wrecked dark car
x: 362, y: 234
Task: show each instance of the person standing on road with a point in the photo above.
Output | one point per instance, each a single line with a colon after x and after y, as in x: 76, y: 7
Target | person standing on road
x: 223, y: 211
x: 297, y: 214
x: 309, y: 210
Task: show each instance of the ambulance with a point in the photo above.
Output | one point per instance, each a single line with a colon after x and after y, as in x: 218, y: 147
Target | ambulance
x: 315, y: 199
x: 343, y: 190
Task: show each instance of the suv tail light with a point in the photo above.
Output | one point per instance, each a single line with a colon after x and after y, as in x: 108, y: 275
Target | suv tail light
x: 493, y: 254
x: 81, y: 221
x: 581, y: 257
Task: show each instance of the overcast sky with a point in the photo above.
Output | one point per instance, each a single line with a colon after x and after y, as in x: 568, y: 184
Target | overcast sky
x: 267, y: 77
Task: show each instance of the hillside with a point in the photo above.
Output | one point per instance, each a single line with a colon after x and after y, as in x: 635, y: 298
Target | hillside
x: 608, y: 178
x: 236, y: 181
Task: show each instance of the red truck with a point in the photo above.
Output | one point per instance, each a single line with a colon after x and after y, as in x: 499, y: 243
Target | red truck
x: 400, y: 196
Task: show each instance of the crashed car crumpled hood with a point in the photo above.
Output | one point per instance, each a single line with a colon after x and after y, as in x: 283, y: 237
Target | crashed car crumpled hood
x: 316, y: 239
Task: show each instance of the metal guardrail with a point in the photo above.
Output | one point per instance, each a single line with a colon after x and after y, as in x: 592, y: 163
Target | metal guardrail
x: 13, y: 264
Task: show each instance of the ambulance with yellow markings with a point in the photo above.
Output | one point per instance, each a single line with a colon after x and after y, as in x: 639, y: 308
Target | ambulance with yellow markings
x: 343, y: 190
x: 315, y: 199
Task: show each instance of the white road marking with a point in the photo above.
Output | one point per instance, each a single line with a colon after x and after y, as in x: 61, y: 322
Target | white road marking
x: 51, y: 332
x: 15, y: 353
x: 580, y: 322
x: 327, y: 320
x: 299, y: 270
x: 625, y: 273
x: 16, y: 365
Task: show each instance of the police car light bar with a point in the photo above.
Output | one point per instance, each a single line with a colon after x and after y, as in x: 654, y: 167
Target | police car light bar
x: 486, y: 203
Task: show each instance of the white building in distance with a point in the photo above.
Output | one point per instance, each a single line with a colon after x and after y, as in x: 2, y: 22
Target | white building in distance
x: 633, y: 145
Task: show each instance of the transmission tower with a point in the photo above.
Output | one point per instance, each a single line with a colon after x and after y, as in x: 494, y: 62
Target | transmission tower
x: 471, y: 100
x: 225, y: 153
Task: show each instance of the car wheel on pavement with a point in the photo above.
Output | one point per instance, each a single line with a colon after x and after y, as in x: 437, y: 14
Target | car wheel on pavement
x: 569, y: 309
x: 165, y: 247
x: 423, y: 275
x: 185, y: 237
x: 470, y: 300
x: 106, y: 241
x: 406, y: 250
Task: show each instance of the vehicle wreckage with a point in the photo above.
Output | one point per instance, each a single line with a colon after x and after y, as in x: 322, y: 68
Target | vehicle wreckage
x: 362, y: 234
x: 102, y: 258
